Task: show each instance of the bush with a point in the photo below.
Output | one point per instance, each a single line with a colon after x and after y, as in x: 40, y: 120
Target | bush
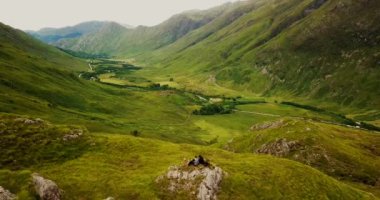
x: 135, y: 133
x: 212, y: 109
x: 157, y: 86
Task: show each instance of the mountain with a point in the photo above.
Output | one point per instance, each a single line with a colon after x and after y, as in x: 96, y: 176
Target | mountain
x: 104, y: 40
x: 306, y: 50
x: 315, y: 50
x: 83, y: 144
x: 126, y: 41
x: 52, y: 35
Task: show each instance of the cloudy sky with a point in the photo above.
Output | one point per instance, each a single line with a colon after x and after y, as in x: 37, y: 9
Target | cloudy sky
x: 35, y: 14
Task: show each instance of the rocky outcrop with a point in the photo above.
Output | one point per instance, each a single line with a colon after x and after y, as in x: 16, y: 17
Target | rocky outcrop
x: 267, y: 125
x: 210, y: 184
x: 6, y: 195
x: 29, y: 121
x: 46, y: 189
x: 200, y: 183
x: 73, y: 134
x: 281, y: 147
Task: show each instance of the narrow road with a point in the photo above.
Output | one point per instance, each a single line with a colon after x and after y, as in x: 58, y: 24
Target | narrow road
x: 257, y: 113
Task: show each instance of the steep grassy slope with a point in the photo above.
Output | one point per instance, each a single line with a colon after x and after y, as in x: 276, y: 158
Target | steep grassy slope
x: 314, y: 49
x: 43, y: 82
x: 322, y: 51
x: 105, y: 40
x: 117, y: 40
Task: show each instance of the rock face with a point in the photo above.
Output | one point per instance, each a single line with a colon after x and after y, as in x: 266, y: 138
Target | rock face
x: 281, y: 147
x: 267, y: 125
x: 30, y: 121
x: 73, y: 134
x: 6, y: 195
x: 46, y: 189
x: 210, y: 184
x: 200, y: 183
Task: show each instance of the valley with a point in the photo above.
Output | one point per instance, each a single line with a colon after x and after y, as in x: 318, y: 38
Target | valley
x: 281, y: 95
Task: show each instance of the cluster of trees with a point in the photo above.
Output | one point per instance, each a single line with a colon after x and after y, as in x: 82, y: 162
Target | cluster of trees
x: 212, y: 109
x: 130, y: 66
x: 157, y: 86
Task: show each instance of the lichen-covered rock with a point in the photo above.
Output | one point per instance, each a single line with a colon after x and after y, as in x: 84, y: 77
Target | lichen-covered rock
x: 281, y: 147
x: 197, y: 182
x: 46, y: 189
x: 29, y: 121
x: 267, y: 125
x: 210, y: 184
x: 6, y: 195
x: 73, y: 134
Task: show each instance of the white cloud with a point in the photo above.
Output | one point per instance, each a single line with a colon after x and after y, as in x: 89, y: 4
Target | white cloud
x: 35, y: 14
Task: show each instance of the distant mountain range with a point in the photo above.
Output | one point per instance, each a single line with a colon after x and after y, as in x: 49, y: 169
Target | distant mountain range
x: 314, y: 49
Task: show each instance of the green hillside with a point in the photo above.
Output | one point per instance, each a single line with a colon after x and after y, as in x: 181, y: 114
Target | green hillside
x: 286, y: 49
x: 280, y: 94
x: 115, y: 39
x: 126, y: 167
x: 303, y: 49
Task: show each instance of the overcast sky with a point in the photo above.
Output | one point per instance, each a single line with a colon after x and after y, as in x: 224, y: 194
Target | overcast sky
x: 36, y: 14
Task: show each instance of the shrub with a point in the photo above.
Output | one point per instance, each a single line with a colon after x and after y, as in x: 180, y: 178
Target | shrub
x: 212, y: 109
x: 135, y: 133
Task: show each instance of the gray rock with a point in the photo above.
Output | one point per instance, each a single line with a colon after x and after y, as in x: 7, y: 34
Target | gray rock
x: 267, y: 125
x: 46, y: 189
x: 73, y: 134
x: 202, y: 183
x: 109, y: 198
x: 6, y: 195
x: 281, y: 147
x: 210, y: 184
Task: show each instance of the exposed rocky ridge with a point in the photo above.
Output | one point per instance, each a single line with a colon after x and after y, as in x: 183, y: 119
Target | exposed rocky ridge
x: 198, y: 183
x: 73, y: 134
x: 267, y: 125
x: 6, y: 195
x: 297, y: 150
x: 45, y: 188
x: 281, y: 147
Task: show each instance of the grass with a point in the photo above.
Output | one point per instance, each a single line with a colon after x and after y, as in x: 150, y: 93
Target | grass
x: 338, y: 151
x: 126, y: 167
x: 42, y: 82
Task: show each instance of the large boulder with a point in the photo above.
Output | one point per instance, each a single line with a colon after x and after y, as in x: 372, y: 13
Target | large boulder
x: 6, y: 195
x: 196, y: 182
x: 46, y: 189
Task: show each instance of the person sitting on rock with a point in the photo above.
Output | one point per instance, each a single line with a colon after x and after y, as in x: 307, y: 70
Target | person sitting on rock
x: 194, y: 161
x: 198, y: 160
x: 202, y: 161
